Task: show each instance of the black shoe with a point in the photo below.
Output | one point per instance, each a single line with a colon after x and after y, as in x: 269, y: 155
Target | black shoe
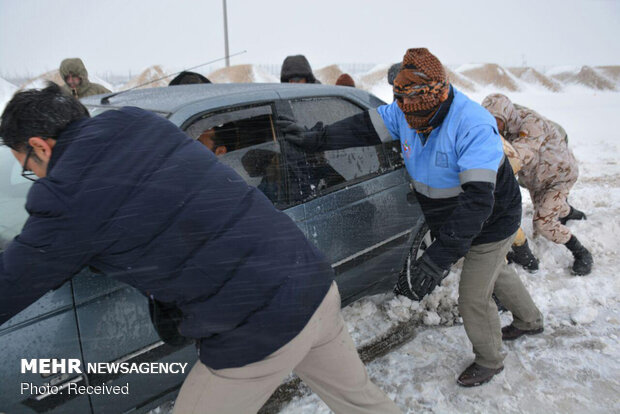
x: 573, y: 214
x: 476, y: 375
x: 523, y: 256
x: 583, y: 259
x: 510, y: 332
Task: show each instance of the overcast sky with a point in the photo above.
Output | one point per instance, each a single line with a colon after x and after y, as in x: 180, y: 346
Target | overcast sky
x: 123, y: 35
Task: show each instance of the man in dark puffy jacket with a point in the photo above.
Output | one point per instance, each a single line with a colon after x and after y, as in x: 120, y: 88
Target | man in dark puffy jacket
x: 296, y: 69
x: 113, y: 193
x: 75, y: 75
x: 467, y: 191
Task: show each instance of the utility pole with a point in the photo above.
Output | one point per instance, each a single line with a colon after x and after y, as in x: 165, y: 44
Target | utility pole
x: 226, y: 35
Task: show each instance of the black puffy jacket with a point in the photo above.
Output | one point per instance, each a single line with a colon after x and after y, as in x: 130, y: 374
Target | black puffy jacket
x: 130, y: 194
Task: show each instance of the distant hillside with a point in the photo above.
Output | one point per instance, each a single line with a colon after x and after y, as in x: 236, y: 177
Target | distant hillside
x: 612, y: 72
x: 586, y: 76
x: 241, y: 74
x: 490, y: 74
x: 534, y: 77
x: 460, y: 81
x: 329, y: 74
x: 469, y: 77
x: 151, y: 76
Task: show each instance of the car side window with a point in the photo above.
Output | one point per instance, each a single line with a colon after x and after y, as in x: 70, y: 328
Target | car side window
x: 332, y: 170
x: 244, y: 139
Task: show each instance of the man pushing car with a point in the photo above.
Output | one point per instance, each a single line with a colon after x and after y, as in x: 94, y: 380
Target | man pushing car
x: 129, y: 194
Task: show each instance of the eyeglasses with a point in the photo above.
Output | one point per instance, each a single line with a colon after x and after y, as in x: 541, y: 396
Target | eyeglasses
x: 26, y: 173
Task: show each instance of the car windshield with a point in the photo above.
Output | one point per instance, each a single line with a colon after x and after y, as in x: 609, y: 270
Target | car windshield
x: 13, y: 191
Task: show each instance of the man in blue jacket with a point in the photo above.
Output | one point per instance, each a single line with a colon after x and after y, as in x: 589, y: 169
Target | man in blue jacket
x: 469, y: 196
x: 114, y: 193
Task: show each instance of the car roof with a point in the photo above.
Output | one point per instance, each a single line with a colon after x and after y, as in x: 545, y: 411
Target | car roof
x: 171, y: 99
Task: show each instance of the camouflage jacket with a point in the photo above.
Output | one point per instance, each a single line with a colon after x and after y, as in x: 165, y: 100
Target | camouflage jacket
x: 546, y: 160
x: 76, y: 67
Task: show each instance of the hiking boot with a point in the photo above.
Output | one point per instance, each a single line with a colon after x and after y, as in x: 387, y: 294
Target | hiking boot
x: 583, y: 259
x: 510, y: 332
x: 523, y: 256
x: 476, y: 375
x: 573, y: 214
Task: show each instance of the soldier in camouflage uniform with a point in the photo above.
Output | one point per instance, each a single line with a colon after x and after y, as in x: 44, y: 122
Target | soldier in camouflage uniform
x: 520, y: 252
x: 75, y: 75
x: 549, y: 170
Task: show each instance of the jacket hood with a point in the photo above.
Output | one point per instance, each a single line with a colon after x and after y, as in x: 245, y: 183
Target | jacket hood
x: 296, y: 66
x: 186, y: 78
x: 501, y: 107
x: 75, y: 66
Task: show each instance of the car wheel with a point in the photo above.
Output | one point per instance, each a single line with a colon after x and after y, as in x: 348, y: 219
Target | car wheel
x: 421, y: 242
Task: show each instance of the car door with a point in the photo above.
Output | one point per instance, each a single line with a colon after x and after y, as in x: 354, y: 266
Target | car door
x: 115, y: 327
x: 249, y: 133
x: 356, y: 211
x: 45, y: 330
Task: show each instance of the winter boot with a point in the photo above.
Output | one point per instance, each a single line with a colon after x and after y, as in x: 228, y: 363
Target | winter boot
x: 476, y: 375
x: 573, y: 214
x: 511, y: 332
x: 583, y: 259
x: 523, y: 256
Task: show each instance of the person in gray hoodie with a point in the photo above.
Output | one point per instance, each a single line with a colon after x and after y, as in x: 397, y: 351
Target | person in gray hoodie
x: 296, y: 69
x: 75, y: 75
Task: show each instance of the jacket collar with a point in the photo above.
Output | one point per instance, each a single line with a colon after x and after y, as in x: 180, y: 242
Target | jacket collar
x: 64, y: 140
x: 438, y: 118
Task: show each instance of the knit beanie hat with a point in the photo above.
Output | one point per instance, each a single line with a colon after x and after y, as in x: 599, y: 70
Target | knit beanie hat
x: 424, y: 80
x: 345, y: 80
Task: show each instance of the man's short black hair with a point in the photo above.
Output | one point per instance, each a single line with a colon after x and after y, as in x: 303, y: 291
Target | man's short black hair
x: 38, y: 113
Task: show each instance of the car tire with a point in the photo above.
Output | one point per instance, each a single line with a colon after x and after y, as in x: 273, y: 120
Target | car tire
x: 421, y: 242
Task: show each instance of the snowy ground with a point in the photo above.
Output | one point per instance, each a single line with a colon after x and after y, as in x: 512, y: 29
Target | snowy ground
x: 574, y: 366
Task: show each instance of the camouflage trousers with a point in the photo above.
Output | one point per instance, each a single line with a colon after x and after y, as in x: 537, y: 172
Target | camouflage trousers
x: 549, y: 206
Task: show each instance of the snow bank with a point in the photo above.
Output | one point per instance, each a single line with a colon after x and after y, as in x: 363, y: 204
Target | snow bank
x: 329, y: 74
x: 151, y: 77
x: 241, y: 74
x: 492, y: 75
x: 586, y: 76
x: 535, y: 79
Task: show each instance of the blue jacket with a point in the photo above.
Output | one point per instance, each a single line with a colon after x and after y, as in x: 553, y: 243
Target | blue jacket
x: 464, y: 184
x: 130, y: 194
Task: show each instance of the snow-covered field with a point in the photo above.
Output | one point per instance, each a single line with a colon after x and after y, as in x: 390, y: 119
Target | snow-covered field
x: 574, y: 366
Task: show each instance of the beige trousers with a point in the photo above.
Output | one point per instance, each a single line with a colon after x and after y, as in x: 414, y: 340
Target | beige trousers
x: 323, y: 355
x: 485, y: 272
x: 549, y: 206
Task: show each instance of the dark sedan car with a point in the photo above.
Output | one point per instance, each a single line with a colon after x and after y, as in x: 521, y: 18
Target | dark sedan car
x: 353, y: 204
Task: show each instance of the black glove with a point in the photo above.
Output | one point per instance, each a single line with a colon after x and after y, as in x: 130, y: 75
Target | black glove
x: 423, y: 277
x: 309, y: 140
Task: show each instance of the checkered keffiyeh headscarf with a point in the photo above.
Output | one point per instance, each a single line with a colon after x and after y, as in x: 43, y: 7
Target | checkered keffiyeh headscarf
x: 424, y: 80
